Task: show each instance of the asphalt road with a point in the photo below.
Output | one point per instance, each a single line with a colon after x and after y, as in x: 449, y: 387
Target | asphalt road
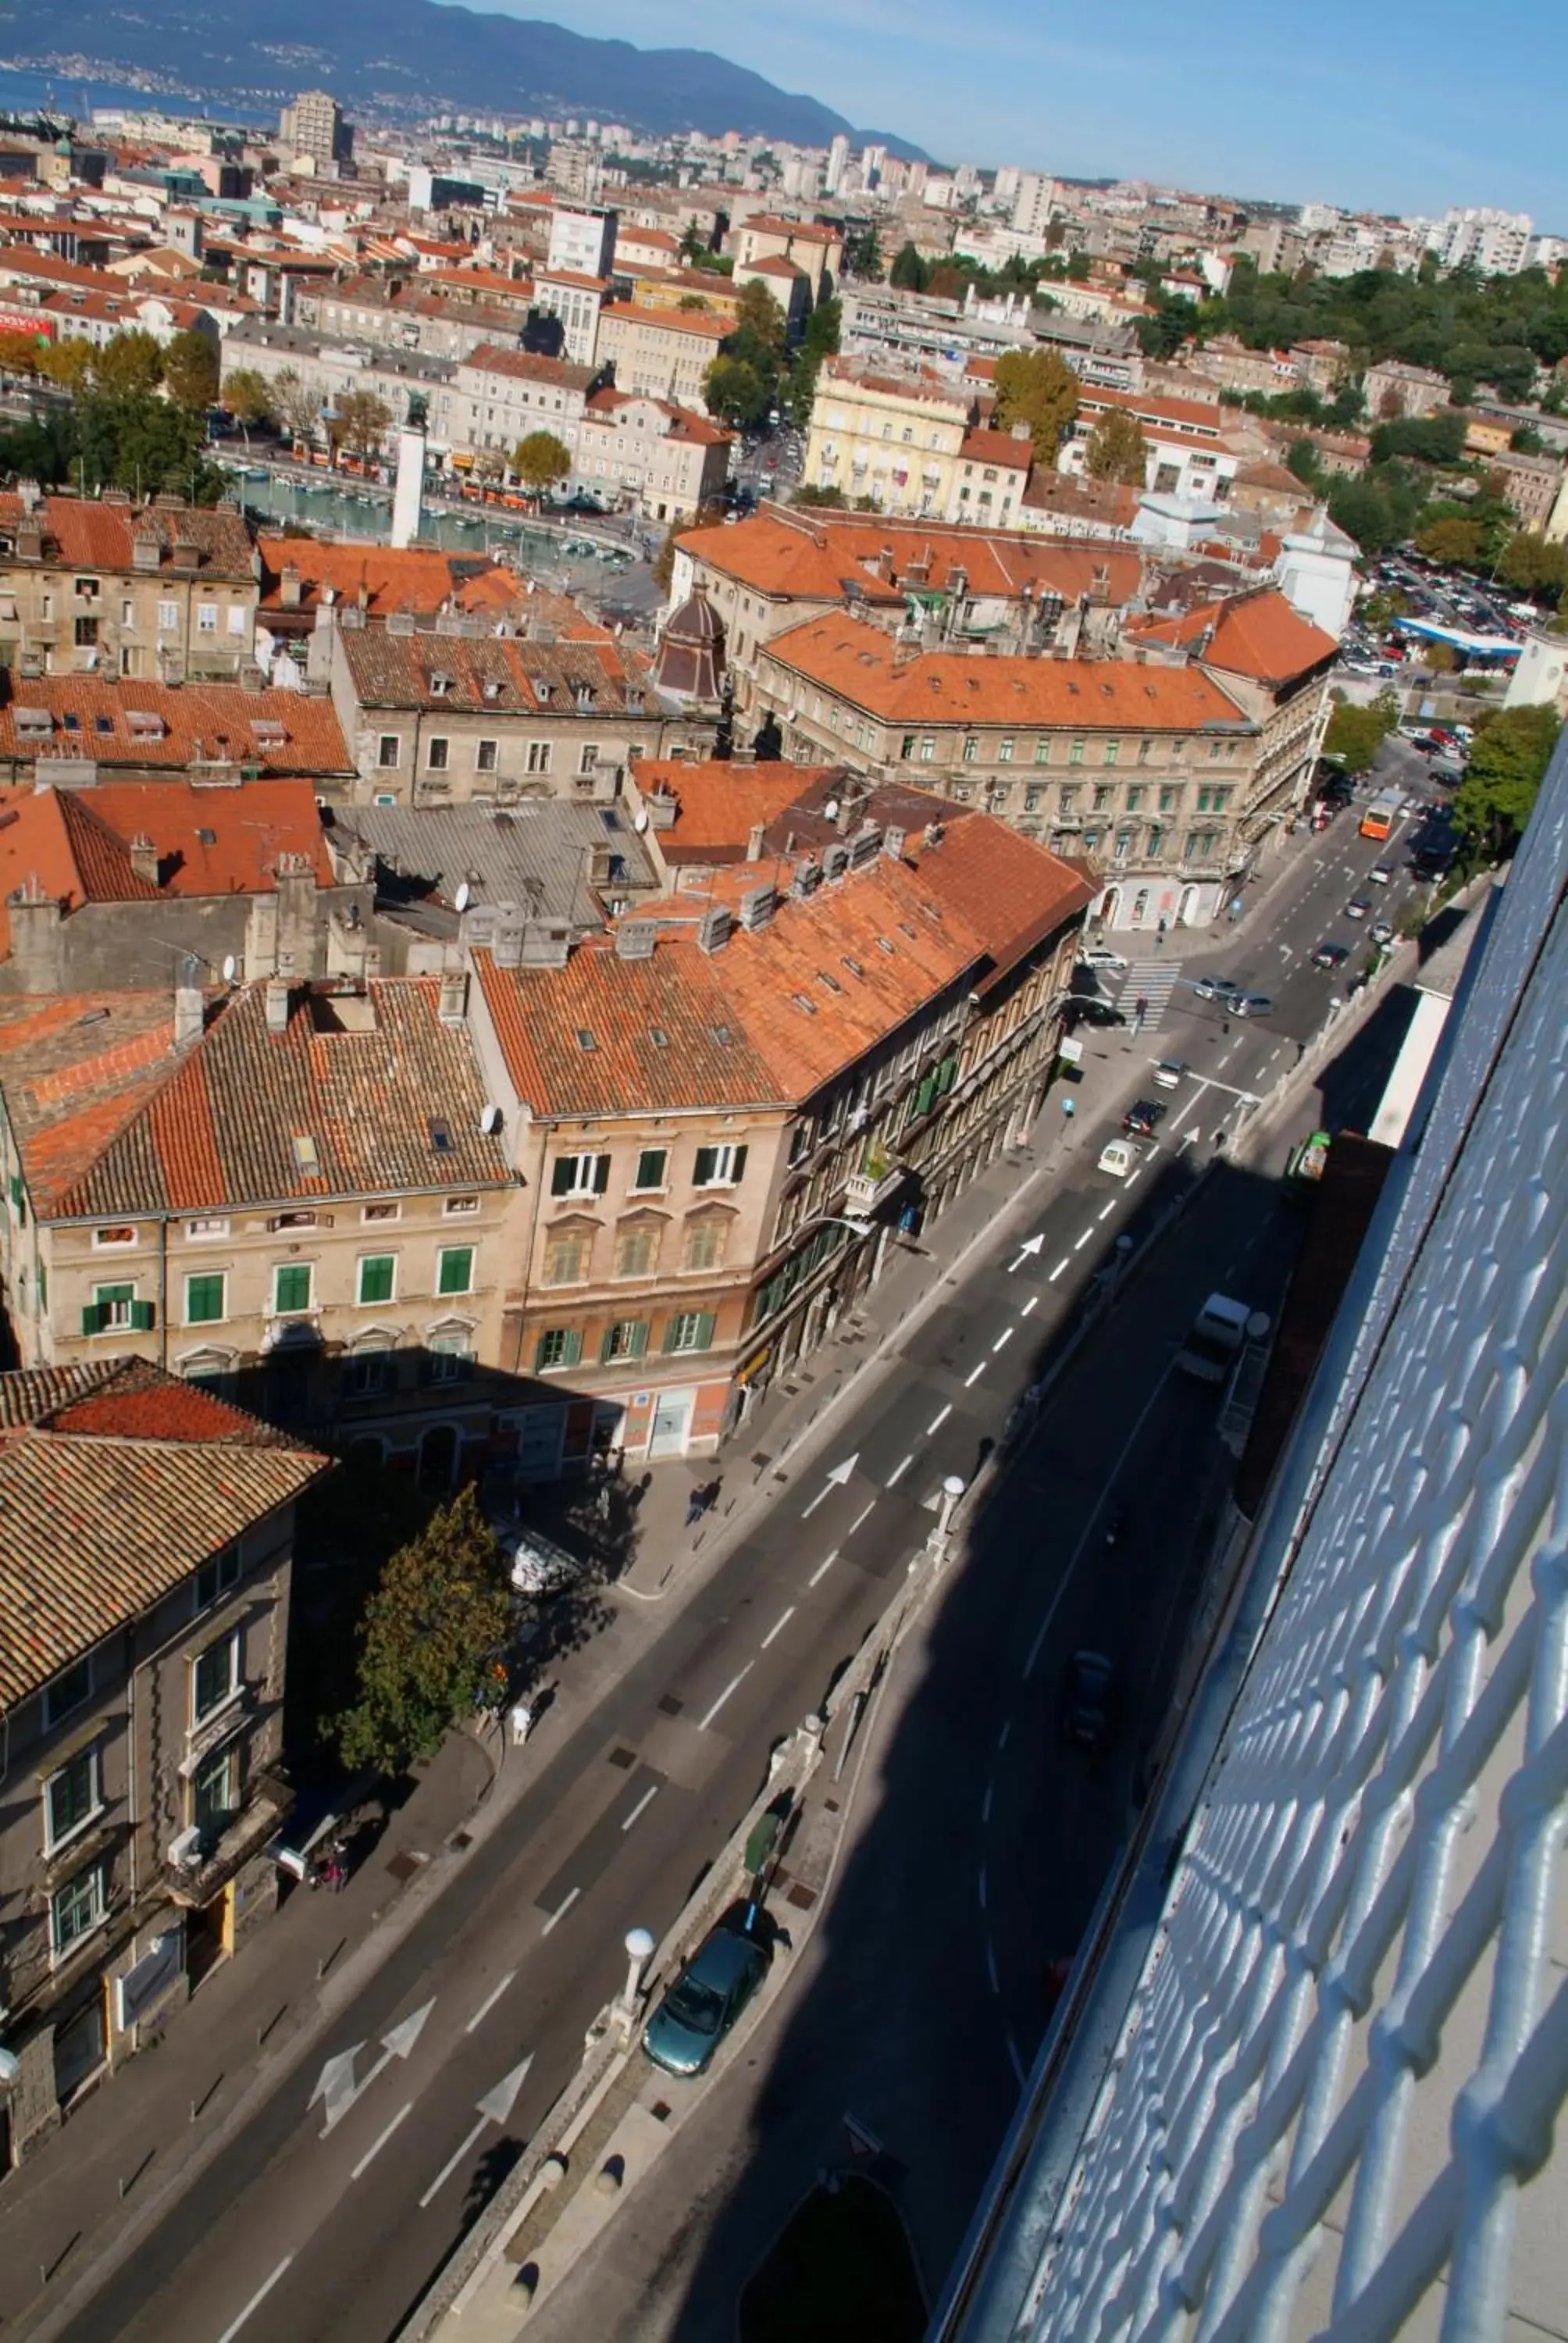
x: 327, y: 2215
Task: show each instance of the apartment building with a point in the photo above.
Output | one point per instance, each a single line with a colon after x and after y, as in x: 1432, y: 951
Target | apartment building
x: 895, y: 439
x: 1141, y: 770
x: 103, y: 587
x: 660, y: 353
x: 435, y: 720
x: 146, y: 1549
x: 294, y: 1197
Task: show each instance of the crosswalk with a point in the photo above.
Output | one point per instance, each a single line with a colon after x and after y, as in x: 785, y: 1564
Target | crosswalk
x: 1155, y: 979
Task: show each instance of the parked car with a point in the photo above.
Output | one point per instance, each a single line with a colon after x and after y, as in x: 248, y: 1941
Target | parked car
x: 1330, y: 955
x: 1142, y: 1117
x: 1215, y: 988
x: 1252, y: 1004
x: 1087, y: 1698
x: 705, y: 2000
x: 1169, y: 1073
x: 1357, y: 908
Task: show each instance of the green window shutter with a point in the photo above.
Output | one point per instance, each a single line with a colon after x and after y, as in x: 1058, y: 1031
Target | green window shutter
x: 375, y: 1277
x: 204, y: 1299
x: 706, y: 1322
x: 456, y: 1271
x: 91, y: 1319
x: 574, y: 1347
x: 141, y: 1317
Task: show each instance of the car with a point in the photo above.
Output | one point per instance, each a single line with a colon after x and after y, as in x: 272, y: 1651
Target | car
x: 1381, y: 875
x: 1252, y: 1004
x: 1098, y: 956
x: 1118, y: 1157
x: 1215, y: 988
x: 1330, y: 955
x: 1087, y: 1696
x: 1382, y: 931
x: 1142, y: 1117
x: 1169, y: 1073
x: 1357, y: 908
x: 703, y: 2002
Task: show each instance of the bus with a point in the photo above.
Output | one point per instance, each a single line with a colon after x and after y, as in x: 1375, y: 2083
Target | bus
x: 1380, y: 816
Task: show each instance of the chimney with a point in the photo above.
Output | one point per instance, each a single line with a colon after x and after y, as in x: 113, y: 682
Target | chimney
x: 454, y: 1008
x: 145, y: 858
x: 188, y: 1005
x: 288, y: 586
x: 276, y: 1005
x: 755, y: 837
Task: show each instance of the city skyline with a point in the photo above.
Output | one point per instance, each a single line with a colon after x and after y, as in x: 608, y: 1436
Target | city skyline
x: 1290, y: 130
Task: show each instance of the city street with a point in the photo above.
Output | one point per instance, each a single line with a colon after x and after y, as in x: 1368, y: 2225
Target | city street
x: 326, y: 2213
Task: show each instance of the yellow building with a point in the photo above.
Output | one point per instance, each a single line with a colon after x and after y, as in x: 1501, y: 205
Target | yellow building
x: 895, y: 439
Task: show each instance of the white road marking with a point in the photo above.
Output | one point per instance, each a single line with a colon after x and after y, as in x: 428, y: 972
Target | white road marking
x: 648, y: 1796
x: 1083, y: 1239
x: 729, y: 1687
x: 942, y: 1415
x: 370, y: 2155
x: 990, y: 1970
x: 863, y: 1515
x: 823, y: 1568
x: 776, y: 1628
x: 1107, y: 1209
x: 1002, y: 1339
x: 898, y: 1471
x: 452, y: 2164
x: 560, y: 1911
x: 1005, y: 1734
x: 256, y: 2299
x: 985, y: 1803
x: 1056, y: 1273
x: 982, y: 1887
x: 974, y: 1375
x: 488, y: 2003
x: 1029, y: 1305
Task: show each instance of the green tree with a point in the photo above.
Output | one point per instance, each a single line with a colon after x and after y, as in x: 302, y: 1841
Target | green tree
x: 1450, y: 539
x: 190, y: 372
x: 1039, y: 388
x: 540, y: 460
x: 248, y: 395
x: 908, y: 272
x: 430, y: 1630
x: 361, y: 424
x: 735, y: 392
x: 1116, y: 450
x: 131, y: 361
x: 1355, y: 735
x: 1507, y: 764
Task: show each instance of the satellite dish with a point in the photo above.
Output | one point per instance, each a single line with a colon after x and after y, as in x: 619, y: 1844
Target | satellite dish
x: 463, y: 896
x: 230, y: 969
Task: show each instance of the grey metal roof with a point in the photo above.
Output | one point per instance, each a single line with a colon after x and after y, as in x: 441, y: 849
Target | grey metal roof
x: 539, y: 854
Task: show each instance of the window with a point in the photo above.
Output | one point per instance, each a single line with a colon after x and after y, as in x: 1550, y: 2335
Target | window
x: 389, y: 750
x: 205, y: 1298
x: 539, y: 756
x: 636, y: 1251
x: 291, y: 1283
x: 690, y: 1330
x: 217, y: 1787
x: 106, y: 1239
x: 455, y: 1268
x: 436, y: 753
x: 1075, y: 754
x: 64, y: 1694
x: 377, y: 1276
x: 719, y: 1167
x: 650, y: 1169
x: 628, y: 1339
x: 704, y: 1246
x: 76, y: 1910
x: 567, y: 1255
x: 215, y: 1678
x: 168, y: 618
x: 206, y: 617
x: 71, y: 1797
x: 484, y: 756
x: 215, y: 1576
x: 204, y: 1232
x: 579, y: 1175
x: 558, y: 1346
x: 84, y: 633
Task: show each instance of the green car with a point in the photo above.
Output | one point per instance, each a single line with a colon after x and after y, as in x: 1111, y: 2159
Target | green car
x: 702, y: 2005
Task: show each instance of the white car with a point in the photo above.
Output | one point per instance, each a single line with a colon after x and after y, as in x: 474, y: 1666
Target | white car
x: 1118, y: 1158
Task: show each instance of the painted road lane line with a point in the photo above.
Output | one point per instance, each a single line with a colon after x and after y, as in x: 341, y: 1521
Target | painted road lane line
x: 776, y: 1629
x: 451, y: 2165
x: 942, y: 1413
x: 1002, y: 1339
x: 488, y: 2003
x: 898, y: 1471
x: 647, y: 1797
x: 561, y: 1910
x: 370, y: 2155
x: 974, y: 1375
x: 823, y: 1568
x: 256, y: 2299
x: 734, y: 1684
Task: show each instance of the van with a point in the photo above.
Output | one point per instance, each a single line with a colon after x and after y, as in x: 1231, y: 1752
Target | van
x: 1216, y: 1334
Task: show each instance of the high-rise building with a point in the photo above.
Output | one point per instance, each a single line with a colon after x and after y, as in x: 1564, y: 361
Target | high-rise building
x: 1306, y: 2079
x: 313, y: 126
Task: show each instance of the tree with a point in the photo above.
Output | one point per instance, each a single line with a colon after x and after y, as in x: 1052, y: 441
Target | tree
x: 297, y: 406
x: 1450, y: 539
x: 908, y: 272
x: 362, y: 423
x: 190, y: 372
x: 1039, y: 388
x: 735, y: 392
x: 430, y: 1634
x: 248, y: 395
x: 1507, y: 764
x: 131, y: 361
x: 540, y: 460
x: 1354, y: 736
x: 1116, y: 450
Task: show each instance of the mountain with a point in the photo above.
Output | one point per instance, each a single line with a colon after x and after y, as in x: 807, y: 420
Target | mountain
x: 409, y: 57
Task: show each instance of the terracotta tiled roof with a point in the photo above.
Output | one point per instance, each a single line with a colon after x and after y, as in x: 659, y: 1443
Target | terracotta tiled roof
x: 805, y: 555
x: 395, y: 671
x: 861, y: 664
x: 381, y: 1096
x: 110, y: 1499
x: 281, y: 731
x: 1257, y: 635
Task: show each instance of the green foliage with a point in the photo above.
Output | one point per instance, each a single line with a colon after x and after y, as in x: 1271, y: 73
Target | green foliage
x: 1117, y: 449
x: 1039, y: 388
x: 1507, y: 763
x: 735, y: 392
x: 438, y: 1614
x: 540, y: 460
x: 1356, y: 734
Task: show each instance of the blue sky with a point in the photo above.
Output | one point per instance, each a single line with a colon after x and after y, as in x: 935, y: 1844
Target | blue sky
x: 1393, y: 105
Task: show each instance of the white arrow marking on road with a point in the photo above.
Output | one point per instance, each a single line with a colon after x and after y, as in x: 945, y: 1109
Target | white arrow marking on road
x: 836, y: 1479
x: 1030, y: 1245
x: 495, y: 2107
